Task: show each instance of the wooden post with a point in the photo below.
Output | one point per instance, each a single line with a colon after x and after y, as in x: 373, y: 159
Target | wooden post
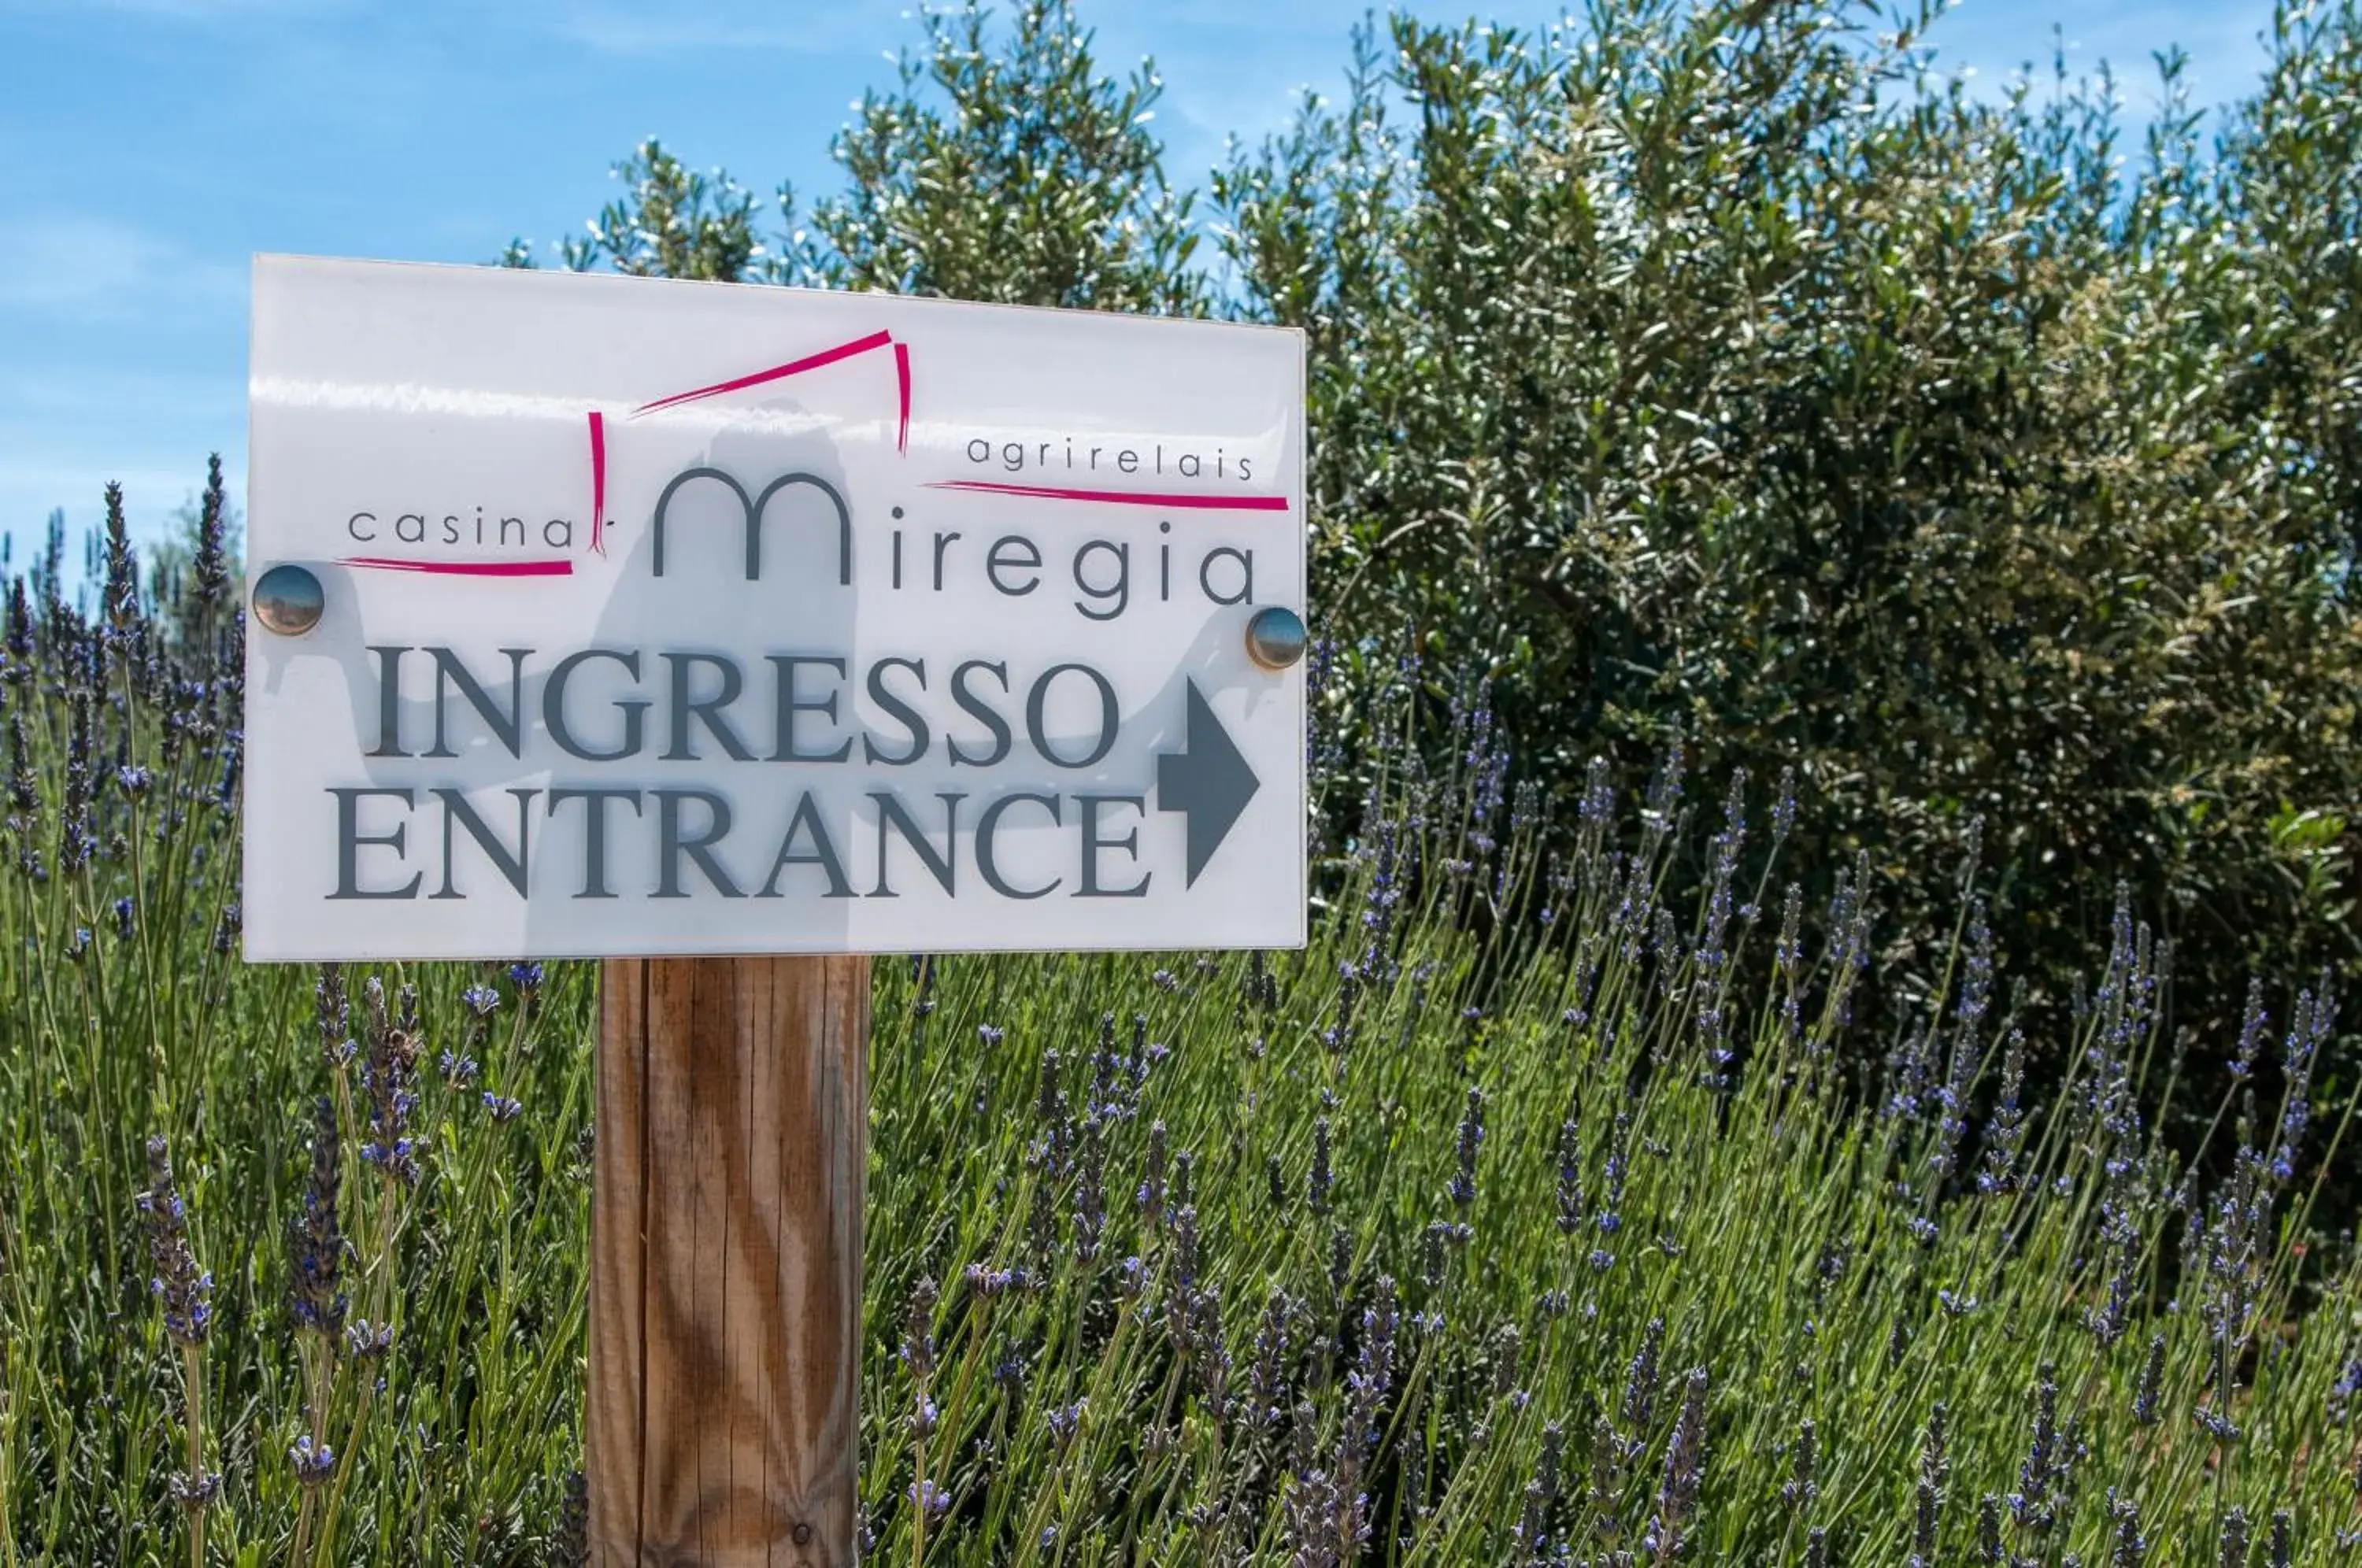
x: 725, y: 1258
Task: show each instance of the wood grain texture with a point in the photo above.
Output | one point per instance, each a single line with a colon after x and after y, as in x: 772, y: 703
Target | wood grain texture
x: 726, y: 1262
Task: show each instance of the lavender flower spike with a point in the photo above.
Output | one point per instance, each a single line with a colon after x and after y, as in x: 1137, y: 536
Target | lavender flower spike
x: 179, y: 1284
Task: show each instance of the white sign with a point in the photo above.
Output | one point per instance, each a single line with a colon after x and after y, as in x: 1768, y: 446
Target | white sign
x: 660, y: 618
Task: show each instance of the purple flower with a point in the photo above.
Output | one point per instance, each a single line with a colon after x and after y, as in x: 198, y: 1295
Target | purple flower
x: 1321, y: 1182
x: 1801, y: 1486
x: 1640, y: 1379
x: 196, y: 1492
x: 918, y: 1352
x: 389, y: 1069
x: 1569, y: 1176
x: 314, y: 1463
x: 182, y: 1288
x: 2233, y: 1549
x: 1685, y: 1473
x: 316, y: 1298
x: 330, y: 1013
x: 2251, y: 1032
x: 2148, y: 1391
x: 1471, y: 1139
x: 2045, y: 1463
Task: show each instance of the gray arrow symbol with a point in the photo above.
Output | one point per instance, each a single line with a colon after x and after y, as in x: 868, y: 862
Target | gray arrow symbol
x: 1208, y: 782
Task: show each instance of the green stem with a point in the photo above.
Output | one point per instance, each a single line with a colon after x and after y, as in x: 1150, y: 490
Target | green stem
x: 193, y: 1368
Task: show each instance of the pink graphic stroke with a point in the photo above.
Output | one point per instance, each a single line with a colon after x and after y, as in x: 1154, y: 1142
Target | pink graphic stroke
x: 880, y: 339
x: 1170, y: 500
x: 597, y: 482
x: 558, y: 567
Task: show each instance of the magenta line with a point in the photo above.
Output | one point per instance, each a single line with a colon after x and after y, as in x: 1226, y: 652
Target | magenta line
x: 1122, y: 497
x: 902, y: 380
x: 464, y: 568
x: 597, y: 482
x: 778, y: 373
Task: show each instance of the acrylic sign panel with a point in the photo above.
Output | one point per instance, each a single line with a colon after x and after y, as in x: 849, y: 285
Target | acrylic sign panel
x: 662, y: 618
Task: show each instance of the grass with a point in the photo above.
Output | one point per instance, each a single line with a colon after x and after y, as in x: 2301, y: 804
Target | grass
x: 1520, y: 1219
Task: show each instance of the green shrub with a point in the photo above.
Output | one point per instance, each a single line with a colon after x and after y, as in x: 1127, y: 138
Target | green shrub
x: 1721, y: 370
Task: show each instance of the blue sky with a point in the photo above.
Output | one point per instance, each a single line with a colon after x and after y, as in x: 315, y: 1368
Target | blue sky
x: 157, y: 144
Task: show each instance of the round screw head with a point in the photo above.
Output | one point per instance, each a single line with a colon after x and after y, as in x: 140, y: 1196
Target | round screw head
x: 1276, y: 637
x: 288, y: 600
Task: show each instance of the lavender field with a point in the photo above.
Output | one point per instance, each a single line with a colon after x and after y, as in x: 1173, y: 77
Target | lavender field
x: 1527, y: 1216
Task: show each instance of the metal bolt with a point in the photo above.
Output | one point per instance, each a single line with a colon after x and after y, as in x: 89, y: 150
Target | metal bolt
x: 288, y: 600
x: 803, y: 1533
x: 1276, y: 637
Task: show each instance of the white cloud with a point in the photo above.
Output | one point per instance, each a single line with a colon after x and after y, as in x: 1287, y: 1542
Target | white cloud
x: 655, y: 28
x: 152, y: 494
x: 99, y: 409
x: 87, y: 266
